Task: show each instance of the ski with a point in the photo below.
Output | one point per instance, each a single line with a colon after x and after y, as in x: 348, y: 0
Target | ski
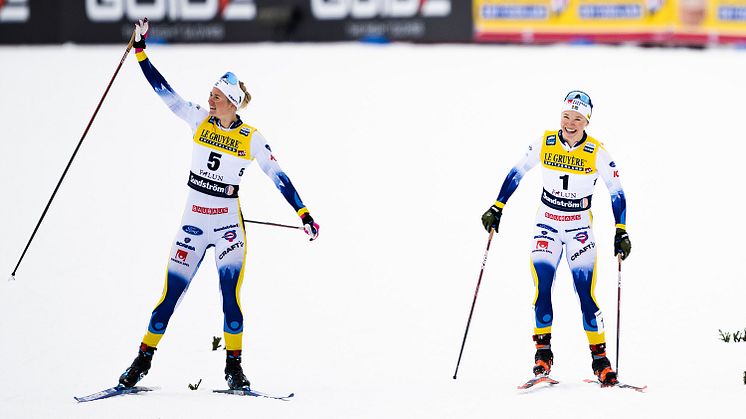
x: 537, y: 380
x: 113, y: 391
x: 249, y: 392
x: 620, y: 385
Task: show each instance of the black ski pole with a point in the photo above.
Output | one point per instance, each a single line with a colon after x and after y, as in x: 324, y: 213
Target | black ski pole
x: 618, y: 309
x: 476, y: 291
x: 272, y: 224
x: 43, y: 214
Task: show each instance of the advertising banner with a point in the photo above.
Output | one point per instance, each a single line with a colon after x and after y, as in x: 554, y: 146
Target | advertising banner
x: 187, y: 21
x: 648, y: 21
x: 29, y: 21
x: 553, y: 20
x: 710, y: 21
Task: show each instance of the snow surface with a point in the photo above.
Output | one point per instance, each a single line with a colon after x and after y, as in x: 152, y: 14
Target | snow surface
x: 397, y: 150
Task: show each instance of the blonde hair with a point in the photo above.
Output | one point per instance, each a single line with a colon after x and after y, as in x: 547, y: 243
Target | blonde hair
x: 247, y: 95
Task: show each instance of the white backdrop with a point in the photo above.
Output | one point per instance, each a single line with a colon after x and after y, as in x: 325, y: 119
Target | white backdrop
x: 397, y: 151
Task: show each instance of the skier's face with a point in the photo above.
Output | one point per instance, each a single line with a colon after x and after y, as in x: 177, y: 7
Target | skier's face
x: 573, y: 124
x: 220, y: 106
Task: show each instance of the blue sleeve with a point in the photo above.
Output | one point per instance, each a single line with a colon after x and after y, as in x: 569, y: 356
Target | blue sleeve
x: 262, y: 153
x: 509, y: 185
x: 619, y: 207
x: 191, y: 113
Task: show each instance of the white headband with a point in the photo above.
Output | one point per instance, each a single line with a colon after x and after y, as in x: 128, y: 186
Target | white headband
x: 578, y: 105
x: 228, y: 84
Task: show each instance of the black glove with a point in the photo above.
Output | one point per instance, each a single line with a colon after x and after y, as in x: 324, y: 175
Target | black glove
x: 491, y: 218
x: 310, y: 226
x: 141, y: 32
x: 622, y: 244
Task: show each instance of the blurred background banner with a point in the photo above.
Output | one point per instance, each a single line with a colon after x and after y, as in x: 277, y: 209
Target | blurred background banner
x: 662, y: 22
x: 563, y: 20
x: 697, y: 22
x: 186, y: 21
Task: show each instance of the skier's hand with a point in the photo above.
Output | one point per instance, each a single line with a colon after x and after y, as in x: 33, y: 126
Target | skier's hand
x: 141, y: 32
x: 310, y: 226
x: 491, y: 218
x: 622, y: 245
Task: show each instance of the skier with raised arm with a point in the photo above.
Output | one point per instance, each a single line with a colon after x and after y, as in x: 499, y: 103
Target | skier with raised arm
x: 222, y: 147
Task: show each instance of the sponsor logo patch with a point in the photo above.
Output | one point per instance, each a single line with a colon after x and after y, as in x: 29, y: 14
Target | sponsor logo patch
x: 234, y: 246
x: 555, y: 217
x: 552, y: 140
x: 185, y: 246
x: 585, y: 248
x: 542, y: 244
x: 194, y: 231
x: 230, y: 235
x: 582, y: 237
x: 225, y: 227
x: 209, y: 211
x: 546, y: 227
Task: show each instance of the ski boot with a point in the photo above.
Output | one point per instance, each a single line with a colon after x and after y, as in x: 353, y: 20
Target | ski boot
x: 139, y: 367
x: 602, y: 366
x: 544, y: 357
x: 233, y: 372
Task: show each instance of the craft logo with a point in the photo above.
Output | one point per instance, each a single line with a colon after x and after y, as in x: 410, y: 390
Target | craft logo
x: 229, y: 249
x: 585, y: 248
x: 181, y: 255
x: 209, y: 211
x: 542, y: 244
x: 371, y: 9
x: 230, y: 235
x: 582, y: 237
x: 173, y: 10
x: 15, y: 11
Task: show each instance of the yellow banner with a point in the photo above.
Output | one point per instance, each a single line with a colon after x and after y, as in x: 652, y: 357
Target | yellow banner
x: 648, y: 18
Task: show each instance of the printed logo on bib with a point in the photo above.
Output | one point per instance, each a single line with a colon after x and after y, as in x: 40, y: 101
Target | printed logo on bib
x: 194, y: 231
x: 582, y: 237
x: 230, y: 235
x: 542, y: 246
x: 585, y: 248
x: 209, y: 211
x: 546, y: 227
x: 564, y: 161
x: 218, y: 140
x: 234, y: 246
x: 185, y: 246
x: 225, y: 227
x: 181, y: 257
x: 555, y: 217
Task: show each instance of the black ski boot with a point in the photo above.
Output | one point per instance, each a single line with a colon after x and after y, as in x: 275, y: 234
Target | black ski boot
x: 544, y: 357
x: 139, y: 367
x: 602, y: 366
x: 233, y: 371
